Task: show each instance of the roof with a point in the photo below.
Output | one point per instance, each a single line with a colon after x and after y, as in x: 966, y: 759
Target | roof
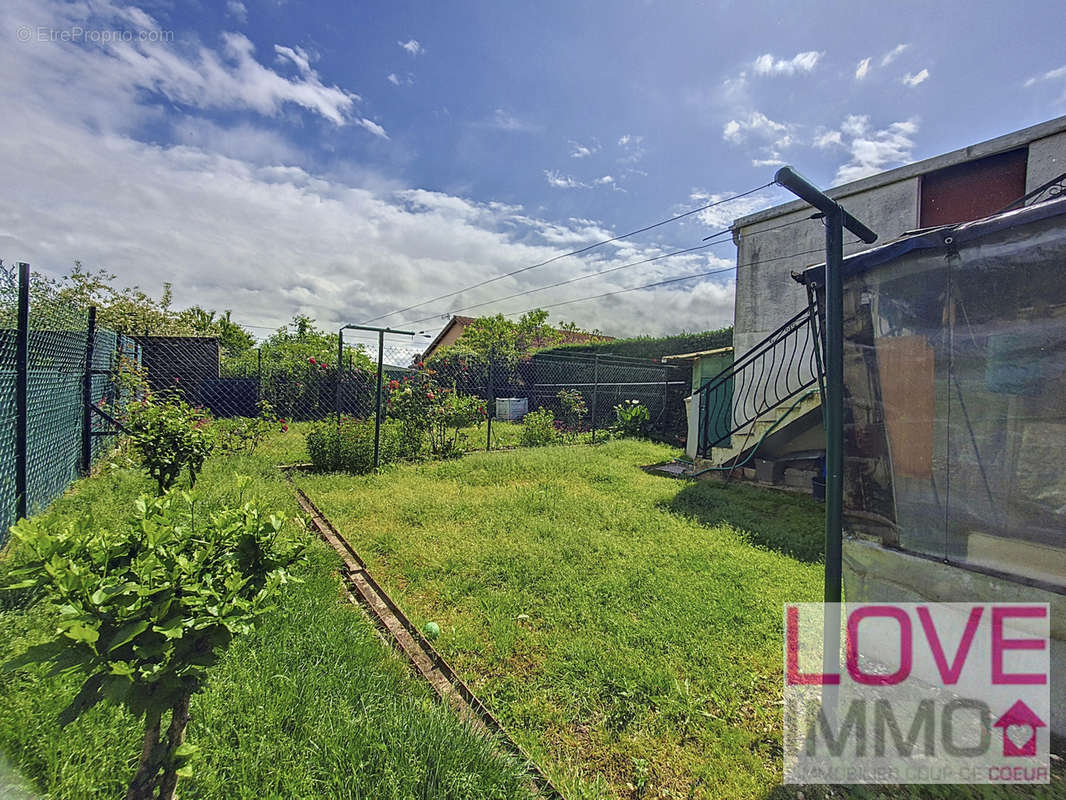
x: 954, y: 235
x: 568, y: 337
x: 698, y: 354
x: 1000, y: 144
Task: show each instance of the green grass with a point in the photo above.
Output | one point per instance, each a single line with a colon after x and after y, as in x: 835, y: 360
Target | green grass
x: 623, y: 641
x: 625, y: 627
x: 312, y: 705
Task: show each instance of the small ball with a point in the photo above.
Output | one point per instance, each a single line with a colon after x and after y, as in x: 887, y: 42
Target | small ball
x: 431, y: 630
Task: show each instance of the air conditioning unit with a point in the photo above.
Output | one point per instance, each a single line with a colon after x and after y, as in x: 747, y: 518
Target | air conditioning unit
x: 511, y: 407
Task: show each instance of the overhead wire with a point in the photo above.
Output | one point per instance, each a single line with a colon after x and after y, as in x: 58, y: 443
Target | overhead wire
x: 585, y: 249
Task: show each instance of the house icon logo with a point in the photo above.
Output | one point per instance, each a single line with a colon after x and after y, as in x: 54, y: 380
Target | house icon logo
x: 1019, y: 725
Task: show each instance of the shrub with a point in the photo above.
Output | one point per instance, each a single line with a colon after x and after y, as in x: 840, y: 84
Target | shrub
x: 538, y: 428
x: 243, y: 434
x: 169, y: 435
x: 144, y: 612
x: 349, y: 446
x: 574, y: 408
x: 408, y: 403
x: 448, y: 414
x: 631, y: 418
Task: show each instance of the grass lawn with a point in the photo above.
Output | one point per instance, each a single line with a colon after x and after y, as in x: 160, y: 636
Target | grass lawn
x: 313, y: 705
x: 625, y: 627
x: 621, y: 624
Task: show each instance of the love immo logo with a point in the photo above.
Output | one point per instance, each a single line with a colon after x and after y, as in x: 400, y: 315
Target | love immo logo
x: 917, y: 693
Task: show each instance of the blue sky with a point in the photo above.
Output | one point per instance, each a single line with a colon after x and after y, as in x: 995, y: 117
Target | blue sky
x: 347, y: 159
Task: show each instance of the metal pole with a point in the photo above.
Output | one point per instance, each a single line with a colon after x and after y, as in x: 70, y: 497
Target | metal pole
x: 22, y: 360
x: 836, y: 219
x: 377, y: 415
x: 595, y: 391
x: 87, y: 396
x: 259, y: 372
x: 492, y: 398
x: 340, y: 359
x: 834, y: 405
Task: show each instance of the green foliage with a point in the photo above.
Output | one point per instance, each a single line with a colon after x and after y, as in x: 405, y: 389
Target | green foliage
x: 574, y: 408
x: 299, y: 368
x: 449, y: 413
x: 349, y: 446
x: 408, y: 403
x: 651, y: 346
x: 146, y: 610
x: 631, y: 418
x: 169, y: 435
x: 500, y: 341
x: 538, y: 428
x: 243, y: 434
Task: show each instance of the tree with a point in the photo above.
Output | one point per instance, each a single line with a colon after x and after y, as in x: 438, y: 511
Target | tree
x: 146, y: 611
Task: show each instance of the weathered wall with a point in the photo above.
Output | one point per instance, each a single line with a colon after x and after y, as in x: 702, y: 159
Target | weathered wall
x: 875, y: 574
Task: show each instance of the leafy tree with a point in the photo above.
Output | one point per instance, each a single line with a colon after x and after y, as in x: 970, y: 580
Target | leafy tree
x: 169, y: 435
x: 146, y: 611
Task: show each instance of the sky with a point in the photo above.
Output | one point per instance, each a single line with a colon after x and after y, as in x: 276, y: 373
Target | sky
x: 349, y: 159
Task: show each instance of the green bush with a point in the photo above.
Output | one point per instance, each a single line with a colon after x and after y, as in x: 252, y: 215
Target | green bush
x: 145, y: 611
x: 449, y: 413
x: 349, y: 446
x: 631, y: 418
x: 169, y: 435
x: 243, y: 434
x: 538, y: 428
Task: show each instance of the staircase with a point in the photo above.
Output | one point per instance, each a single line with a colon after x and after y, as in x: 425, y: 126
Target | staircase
x: 762, y: 392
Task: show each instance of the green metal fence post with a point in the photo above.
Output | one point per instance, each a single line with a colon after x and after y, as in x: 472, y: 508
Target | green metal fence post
x: 22, y: 360
x: 340, y: 360
x: 595, y: 391
x: 87, y: 396
x: 491, y: 411
x: 377, y: 413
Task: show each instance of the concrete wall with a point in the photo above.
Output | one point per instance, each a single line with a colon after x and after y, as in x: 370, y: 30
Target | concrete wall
x: 875, y: 574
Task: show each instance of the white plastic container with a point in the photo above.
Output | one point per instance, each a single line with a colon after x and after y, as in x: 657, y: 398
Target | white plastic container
x: 511, y: 407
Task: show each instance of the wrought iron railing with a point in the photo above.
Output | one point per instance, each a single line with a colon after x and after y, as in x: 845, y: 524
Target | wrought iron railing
x: 782, y: 365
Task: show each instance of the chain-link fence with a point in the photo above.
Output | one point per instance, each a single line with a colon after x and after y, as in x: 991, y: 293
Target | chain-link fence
x: 314, y: 376
x: 54, y: 362
x: 58, y: 384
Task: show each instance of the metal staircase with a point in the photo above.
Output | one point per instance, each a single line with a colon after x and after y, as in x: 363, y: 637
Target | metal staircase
x: 736, y: 406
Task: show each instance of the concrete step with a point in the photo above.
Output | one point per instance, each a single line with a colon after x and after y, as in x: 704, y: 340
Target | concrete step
x: 749, y: 436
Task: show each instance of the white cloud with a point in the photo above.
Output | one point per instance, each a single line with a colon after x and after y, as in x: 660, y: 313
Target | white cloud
x: 237, y: 10
x: 373, y: 127
x: 801, y: 62
x: 237, y: 217
x: 396, y: 80
x: 412, y: 46
x: 506, y: 121
x: 560, y: 181
x: 828, y: 139
x: 578, y: 150
x: 757, y: 124
x: 721, y: 216
x: 632, y: 150
x: 624, y: 139
x: 874, y: 151
x: 1050, y: 75
x: 893, y: 54
x: 918, y: 77
x: 862, y: 69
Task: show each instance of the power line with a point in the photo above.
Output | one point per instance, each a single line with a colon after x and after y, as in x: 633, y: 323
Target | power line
x: 612, y: 269
x: 576, y: 252
x: 571, y: 280
x: 669, y: 281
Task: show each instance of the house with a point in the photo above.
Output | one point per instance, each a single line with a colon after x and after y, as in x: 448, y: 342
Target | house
x: 955, y: 419
x: 451, y: 332
x: 775, y: 328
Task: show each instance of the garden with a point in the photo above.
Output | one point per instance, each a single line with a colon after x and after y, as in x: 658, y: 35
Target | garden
x: 173, y: 627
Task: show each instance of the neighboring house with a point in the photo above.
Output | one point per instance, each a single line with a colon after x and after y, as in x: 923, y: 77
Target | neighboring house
x: 955, y: 418
x: 457, y: 324
x: 960, y: 186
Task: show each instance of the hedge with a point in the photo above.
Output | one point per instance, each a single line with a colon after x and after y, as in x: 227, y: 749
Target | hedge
x: 652, y: 347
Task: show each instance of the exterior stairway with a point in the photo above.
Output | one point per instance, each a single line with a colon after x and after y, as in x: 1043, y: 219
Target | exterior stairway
x: 768, y: 388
